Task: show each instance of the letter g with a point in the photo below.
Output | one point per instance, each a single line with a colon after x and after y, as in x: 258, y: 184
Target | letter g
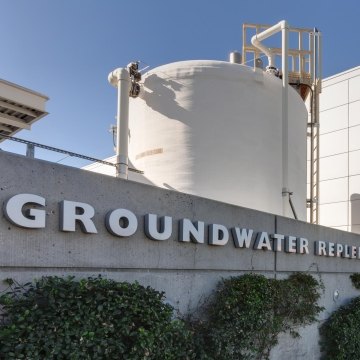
x: 30, y: 218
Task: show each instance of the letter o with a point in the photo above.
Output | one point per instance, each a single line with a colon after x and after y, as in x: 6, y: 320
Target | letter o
x: 112, y: 222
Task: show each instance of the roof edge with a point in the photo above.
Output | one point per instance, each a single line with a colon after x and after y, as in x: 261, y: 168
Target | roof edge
x: 24, y: 89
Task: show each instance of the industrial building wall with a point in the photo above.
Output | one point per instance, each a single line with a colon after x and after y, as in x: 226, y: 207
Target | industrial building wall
x: 188, y: 272
x: 340, y: 151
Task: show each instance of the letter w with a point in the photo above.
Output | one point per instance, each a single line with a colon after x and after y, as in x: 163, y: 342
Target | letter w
x: 242, y: 237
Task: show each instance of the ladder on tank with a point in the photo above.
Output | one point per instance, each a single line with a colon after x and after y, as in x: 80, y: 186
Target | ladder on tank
x: 305, y: 76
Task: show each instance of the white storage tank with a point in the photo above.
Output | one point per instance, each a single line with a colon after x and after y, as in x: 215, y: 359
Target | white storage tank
x: 213, y: 129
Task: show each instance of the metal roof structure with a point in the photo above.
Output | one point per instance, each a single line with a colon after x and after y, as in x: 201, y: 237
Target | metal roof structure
x: 19, y: 108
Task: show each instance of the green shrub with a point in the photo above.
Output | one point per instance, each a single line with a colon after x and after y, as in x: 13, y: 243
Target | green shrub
x: 340, y: 334
x: 247, y: 313
x: 355, y: 279
x: 96, y: 318
x: 93, y: 318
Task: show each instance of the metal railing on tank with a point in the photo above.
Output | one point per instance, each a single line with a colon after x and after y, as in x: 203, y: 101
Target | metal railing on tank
x: 304, y: 71
x: 31, y: 146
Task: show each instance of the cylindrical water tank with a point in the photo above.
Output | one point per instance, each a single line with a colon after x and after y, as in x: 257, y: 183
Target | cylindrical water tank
x: 214, y: 129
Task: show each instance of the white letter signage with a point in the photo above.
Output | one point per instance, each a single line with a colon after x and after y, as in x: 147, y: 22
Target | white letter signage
x: 72, y: 212
x: 151, y: 227
x: 121, y: 222
x: 30, y: 218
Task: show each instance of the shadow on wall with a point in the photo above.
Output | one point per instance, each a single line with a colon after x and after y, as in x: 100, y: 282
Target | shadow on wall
x: 355, y: 213
x: 162, y: 97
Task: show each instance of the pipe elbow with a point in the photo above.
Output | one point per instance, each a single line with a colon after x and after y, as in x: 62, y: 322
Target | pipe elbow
x: 118, y: 74
x: 257, y: 43
x: 254, y: 40
x: 284, y: 24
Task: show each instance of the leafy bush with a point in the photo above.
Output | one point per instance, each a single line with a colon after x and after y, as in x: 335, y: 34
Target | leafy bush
x: 93, y: 318
x: 248, y: 312
x: 340, y: 334
x: 355, y: 279
x: 96, y: 318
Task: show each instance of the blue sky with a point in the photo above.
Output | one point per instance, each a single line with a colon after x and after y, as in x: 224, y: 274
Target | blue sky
x: 66, y: 48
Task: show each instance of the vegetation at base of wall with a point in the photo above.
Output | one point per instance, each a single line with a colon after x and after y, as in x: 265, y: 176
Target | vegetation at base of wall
x: 247, y: 313
x: 94, y: 318
x: 340, y: 334
x: 97, y: 318
x: 355, y: 279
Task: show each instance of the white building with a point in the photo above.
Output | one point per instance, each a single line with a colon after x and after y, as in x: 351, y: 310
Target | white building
x: 340, y: 151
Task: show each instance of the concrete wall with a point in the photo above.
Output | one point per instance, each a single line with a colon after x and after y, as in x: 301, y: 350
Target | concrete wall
x: 187, y: 272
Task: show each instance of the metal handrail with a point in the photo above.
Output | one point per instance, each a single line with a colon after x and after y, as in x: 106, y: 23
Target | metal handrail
x: 66, y: 152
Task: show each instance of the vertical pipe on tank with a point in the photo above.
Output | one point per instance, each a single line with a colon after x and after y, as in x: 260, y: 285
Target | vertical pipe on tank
x: 120, y: 78
x: 285, y: 115
x: 256, y: 41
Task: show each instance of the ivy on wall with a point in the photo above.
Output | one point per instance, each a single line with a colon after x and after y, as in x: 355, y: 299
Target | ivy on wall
x: 247, y: 313
x: 340, y: 333
x: 94, y: 318
x: 97, y: 318
x: 355, y: 279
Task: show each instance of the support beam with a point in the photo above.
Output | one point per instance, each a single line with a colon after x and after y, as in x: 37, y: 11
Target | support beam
x: 13, y: 121
x: 19, y: 109
x: 4, y: 128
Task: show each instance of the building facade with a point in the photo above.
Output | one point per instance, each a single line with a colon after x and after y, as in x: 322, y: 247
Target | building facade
x: 340, y: 151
